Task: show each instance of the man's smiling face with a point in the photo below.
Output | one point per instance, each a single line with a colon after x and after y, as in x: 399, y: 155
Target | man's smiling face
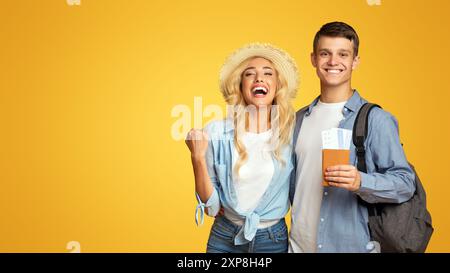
x: 334, y: 60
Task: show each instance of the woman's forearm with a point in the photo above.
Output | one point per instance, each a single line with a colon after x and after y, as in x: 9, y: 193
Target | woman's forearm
x: 203, y: 185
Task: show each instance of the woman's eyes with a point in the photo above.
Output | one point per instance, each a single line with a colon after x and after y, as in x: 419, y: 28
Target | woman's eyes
x: 250, y: 74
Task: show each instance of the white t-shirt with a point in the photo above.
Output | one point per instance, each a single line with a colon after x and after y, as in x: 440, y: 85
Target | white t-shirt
x: 254, y: 176
x: 309, y: 189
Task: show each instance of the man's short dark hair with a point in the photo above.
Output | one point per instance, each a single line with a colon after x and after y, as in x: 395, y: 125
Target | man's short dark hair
x: 338, y: 29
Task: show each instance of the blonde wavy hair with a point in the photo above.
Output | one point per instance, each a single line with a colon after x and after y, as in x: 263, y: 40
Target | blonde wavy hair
x: 284, y: 115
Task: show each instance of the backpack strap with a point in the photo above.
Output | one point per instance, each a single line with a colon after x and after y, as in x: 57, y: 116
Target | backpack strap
x: 298, y: 124
x: 360, y: 130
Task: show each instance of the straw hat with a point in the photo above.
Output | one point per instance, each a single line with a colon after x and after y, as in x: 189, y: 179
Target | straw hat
x: 282, y: 61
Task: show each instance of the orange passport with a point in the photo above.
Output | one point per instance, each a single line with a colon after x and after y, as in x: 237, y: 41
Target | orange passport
x: 333, y: 157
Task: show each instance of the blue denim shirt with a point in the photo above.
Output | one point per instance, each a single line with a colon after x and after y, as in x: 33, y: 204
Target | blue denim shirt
x: 343, y: 225
x: 274, y: 204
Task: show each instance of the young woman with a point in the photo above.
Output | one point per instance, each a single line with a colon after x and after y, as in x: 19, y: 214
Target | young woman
x: 243, y: 163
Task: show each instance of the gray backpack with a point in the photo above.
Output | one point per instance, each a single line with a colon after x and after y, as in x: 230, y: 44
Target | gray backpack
x: 404, y: 227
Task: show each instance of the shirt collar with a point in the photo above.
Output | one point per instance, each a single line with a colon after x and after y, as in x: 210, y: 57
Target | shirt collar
x: 353, y: 104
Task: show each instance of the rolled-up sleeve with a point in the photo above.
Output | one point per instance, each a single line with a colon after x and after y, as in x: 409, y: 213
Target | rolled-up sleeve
x: 212, y: 205
x: 393, y: 180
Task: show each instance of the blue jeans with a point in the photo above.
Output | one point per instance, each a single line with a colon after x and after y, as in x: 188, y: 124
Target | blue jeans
x: 273, y: 239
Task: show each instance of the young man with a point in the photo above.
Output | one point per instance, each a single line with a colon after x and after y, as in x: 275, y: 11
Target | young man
x: 331, y: 219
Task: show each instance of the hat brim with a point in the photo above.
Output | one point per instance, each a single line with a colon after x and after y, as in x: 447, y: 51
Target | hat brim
x: 281, y: 60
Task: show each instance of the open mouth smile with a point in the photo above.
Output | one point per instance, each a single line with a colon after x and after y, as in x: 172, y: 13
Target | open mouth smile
x: 334, y: 71
x: 260, y: 91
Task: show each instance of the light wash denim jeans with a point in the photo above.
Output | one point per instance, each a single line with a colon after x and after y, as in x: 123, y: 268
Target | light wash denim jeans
x: 273, y: 239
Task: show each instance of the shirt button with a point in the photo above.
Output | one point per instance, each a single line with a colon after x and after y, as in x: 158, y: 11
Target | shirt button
x: 326, y: 193
x: 321, y: 219
x: 370, y: 246
x: 320, y: 246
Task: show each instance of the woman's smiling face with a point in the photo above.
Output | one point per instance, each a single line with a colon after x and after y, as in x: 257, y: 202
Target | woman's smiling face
x: 259, y: 82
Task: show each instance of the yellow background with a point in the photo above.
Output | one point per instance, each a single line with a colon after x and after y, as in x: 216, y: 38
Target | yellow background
x: 86, y: 94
